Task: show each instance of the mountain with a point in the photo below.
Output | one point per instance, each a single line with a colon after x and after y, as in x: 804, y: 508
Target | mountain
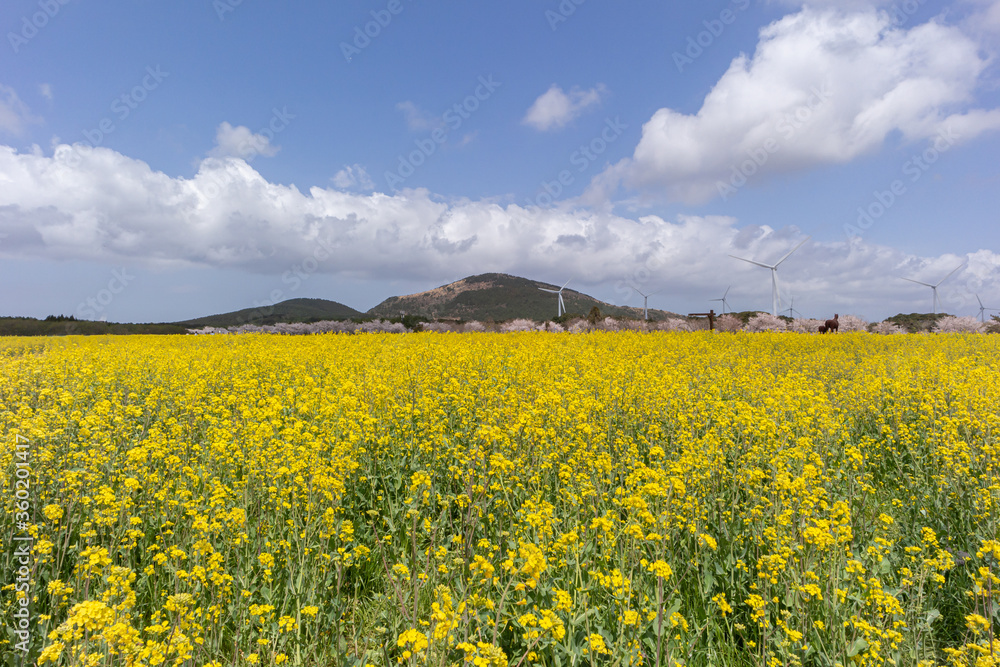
x: 498, y: 296
x: 293, y: 310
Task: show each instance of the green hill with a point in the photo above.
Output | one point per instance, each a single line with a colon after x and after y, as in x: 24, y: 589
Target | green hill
x: 293, y: 310
x: 915, y: 322
x: 498, y: 297
x: 63, y: 326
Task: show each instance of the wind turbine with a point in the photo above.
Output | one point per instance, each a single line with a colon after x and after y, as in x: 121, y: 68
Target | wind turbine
x: 935, y: 286
x: 791, y: 308
x: 645, y: 300
x: 562, y: 305
x: 983, y: 309
x: 725, y: 304
x: 775, y: 298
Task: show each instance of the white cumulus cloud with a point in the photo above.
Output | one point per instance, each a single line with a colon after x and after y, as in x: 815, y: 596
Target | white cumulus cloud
x: 353, y: 177
x: 556, y: 108
x: 95, y: 204
x: 241, y: 142
x: 14, y: 114
x: 417, y: 120
x: 823, y: 87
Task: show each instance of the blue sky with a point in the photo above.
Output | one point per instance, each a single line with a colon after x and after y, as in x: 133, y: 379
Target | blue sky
x: 167, y: 161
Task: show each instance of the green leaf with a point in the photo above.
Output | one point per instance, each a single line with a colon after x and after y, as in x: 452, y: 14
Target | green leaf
x: 858, y: 646
x: 674, y: 606
x: 932, y: 616
x: 584, y: 616
x: 709, y: 581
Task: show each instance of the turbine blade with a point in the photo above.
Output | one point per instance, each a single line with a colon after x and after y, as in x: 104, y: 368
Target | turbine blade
x: 919, y: 283
x: 564, y: 285
x: 766, y: 266
x: 950, y: 274
x: 792, y: 250
x: 550, y: 291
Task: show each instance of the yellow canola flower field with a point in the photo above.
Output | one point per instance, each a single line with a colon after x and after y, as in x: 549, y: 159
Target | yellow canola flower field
x: 501, y: 500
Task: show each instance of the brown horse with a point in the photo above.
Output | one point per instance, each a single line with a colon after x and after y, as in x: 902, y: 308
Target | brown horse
x: 831, y: 325
x: 822, y: 328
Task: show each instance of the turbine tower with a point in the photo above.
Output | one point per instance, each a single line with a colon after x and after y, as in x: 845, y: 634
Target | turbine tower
x: 725, y: 304
x: 775, y: 297
x: 936, y: 285
x: 645, y: 300
x: 562, y: 305
x: 791, y: 308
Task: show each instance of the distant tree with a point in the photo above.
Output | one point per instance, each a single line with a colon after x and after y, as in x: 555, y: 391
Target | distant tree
x: 802, y: 325
x: 517, y: 325
x: 411, y: 322
x: 594, y: 316
x: 886, y: 328
x: 916, y: 322
x: 765, y: 322
x: 673, y: 324
x: 952, y: 324
x: 849, y: 323
x: 728, y: 323
x: 609, y: 324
